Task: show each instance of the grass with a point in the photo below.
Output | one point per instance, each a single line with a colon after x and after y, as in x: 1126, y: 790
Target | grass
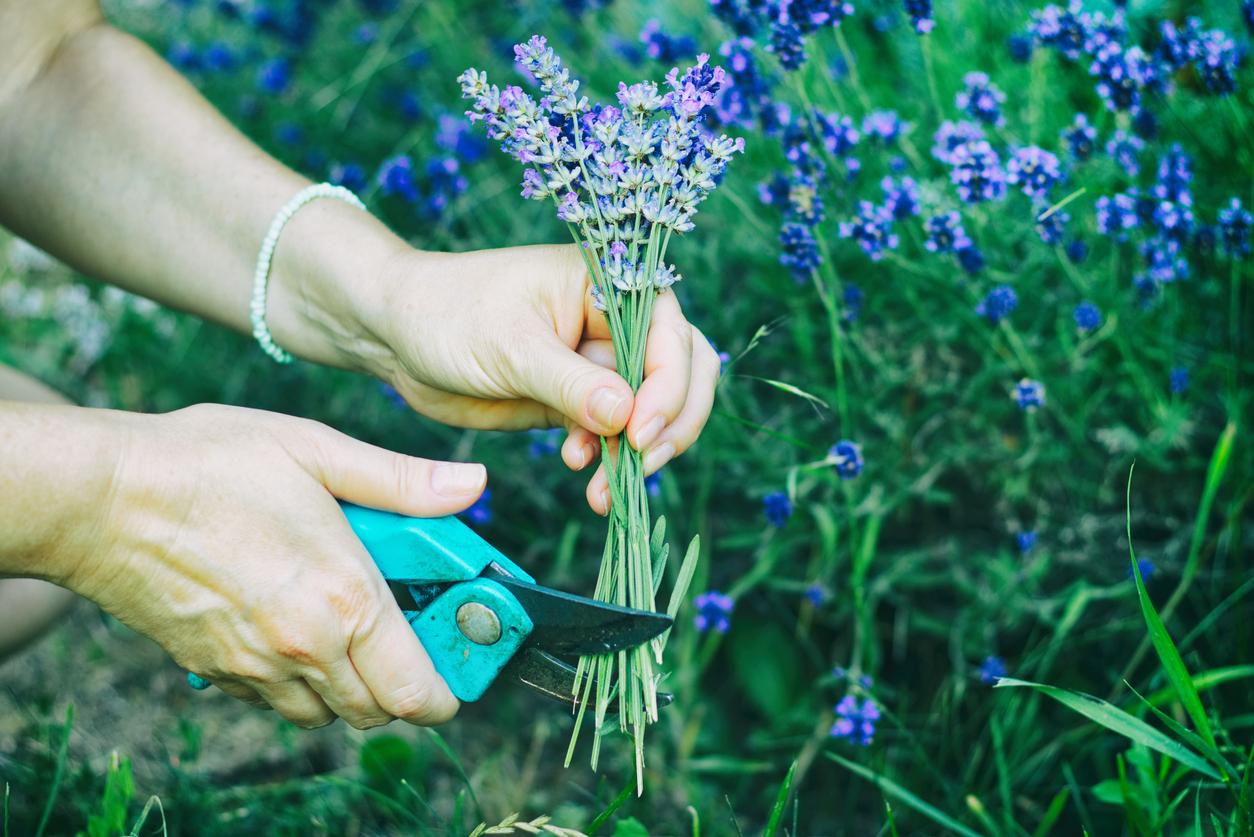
x: 916, y: 559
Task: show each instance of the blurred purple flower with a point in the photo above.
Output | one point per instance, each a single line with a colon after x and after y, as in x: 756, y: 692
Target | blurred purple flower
x: 714, y: 610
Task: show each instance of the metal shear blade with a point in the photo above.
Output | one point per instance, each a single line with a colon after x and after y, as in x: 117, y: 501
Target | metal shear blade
x: 553, y: 678
x: 574, y: 625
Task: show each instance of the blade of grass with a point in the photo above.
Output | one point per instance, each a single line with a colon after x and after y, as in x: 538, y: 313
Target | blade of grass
x: 781, y: 803
x: 1078, y: 797
x: 891, y: 788
x: 604, y: 817
x: 784, y: 386
x: 1116, y: 720
x: 1188, y: 736
x: 143, y: 816
x: 680, y: 591
x: 1205, y: 680
x: 1214, y: 476
x: 1168, y: 654
x: 1136, y: 817
x: 1052, y: 813
x: 55, y: 786
x: 444, y: 748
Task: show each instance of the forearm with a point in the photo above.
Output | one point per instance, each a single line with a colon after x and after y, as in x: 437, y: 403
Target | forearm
x: 112, y: 162
x: 57, y: 466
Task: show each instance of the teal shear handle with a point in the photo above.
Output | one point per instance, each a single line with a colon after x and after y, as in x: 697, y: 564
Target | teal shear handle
x: 470, y: 626
x: 474, y: 627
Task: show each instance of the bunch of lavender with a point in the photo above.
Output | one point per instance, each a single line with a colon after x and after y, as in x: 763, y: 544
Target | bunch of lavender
x: 625, y: 179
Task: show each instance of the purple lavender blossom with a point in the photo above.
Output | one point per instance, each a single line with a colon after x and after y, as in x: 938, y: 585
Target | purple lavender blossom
x: 1122, y: 76
x: 349, y: 175
x: 846, y: 457
x: 852, y: 297
x: 998, y: 303
x: 714, y: 610
x: 396, y: 177
x: 1029, y: 395
x: 1087, y: 316
x: 1116, y: 215
x: 787, y: 43
x: 951, y: 136
x: 1124, y: 149
x: 900, y: 199
x: 1146, y: 568
x: 837, y: 133
x: 480, y: 513
x: 1060, y: 29
x: 799, y: 251
x: 1080, y: 137
x: 970, y: 259
x: 544, y: 443
x: 1234, y: 225
x: 816, y: 594
x: 778, y: 508
x: 945, y: 233
x: 855, y: 721
x: 885, y: 126
x: 977, y: 172
x: 1020, y: 45
x: 991, y: 670
x: 872, y: 228
x: 1217, y: 62
x: 980, y: 99
x: 920, y: 12
x: 274, y: 76
x: 743, y: 16
x: 663, y: 47
x: 1034, y: 170
x: 1051, y: 228
x: 1179, y: 379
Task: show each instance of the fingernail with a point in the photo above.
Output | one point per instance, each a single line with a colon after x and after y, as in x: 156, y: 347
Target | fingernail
x: 453, y: 479
x: 605, y: 503
x: 586, y: 454
x: 658, y: 456
x: 649, y: 433
x: 605, y: 406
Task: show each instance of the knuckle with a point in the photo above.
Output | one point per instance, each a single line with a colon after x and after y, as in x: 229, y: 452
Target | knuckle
x: 420, y: 704
x: 368, y: 721
x: 408, y: 475
x: 352, y: 598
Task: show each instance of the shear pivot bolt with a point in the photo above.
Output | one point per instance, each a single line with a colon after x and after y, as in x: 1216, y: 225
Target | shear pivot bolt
x: 479, y: 623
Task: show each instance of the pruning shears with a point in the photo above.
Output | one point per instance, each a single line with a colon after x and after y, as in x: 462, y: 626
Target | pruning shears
x: 479, y: 615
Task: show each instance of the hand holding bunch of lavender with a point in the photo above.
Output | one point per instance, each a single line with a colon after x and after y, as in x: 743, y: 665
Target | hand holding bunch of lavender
x: 624, y: 178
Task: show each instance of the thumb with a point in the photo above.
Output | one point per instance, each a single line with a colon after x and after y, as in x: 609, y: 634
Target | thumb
x: 372, y: 476
x: 588, y: 394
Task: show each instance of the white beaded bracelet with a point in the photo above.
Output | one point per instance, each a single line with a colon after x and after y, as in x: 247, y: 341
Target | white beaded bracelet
x: 261, y: 276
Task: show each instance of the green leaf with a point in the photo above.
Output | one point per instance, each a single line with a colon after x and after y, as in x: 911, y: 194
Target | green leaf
x: 1116, y: 720
x: 630, y: 827
x: 891, y: 788
x: 781, y: 802
x: 766, y: 666
x: 1168, y: 654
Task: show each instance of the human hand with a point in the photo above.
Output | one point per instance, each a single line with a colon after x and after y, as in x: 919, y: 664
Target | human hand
x: 509, y: 339
x: 222, y: 540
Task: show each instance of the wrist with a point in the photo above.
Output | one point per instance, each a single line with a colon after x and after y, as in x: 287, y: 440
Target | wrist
x: 330, y: 284
x: 60, y: 467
